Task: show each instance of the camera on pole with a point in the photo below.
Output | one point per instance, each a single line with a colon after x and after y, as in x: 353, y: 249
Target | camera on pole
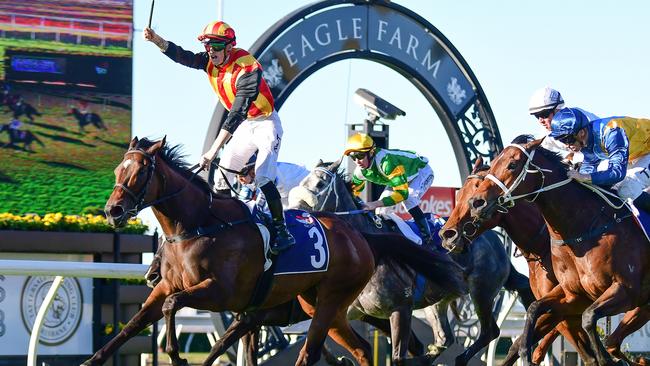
x: 378, y: 110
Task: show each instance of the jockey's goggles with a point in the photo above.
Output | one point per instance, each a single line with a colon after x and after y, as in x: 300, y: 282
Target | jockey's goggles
x: 215, y: 46
x: 358, y: 155
x: 543, y: 114
x: 567, y: 139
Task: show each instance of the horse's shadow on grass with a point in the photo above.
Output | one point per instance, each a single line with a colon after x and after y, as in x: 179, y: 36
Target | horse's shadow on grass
x: 4, y: 178
x: 48, y: 126
x: 68, y: 140
x: 15, y: 147
x: 58, y: 164
x: 121, y: 145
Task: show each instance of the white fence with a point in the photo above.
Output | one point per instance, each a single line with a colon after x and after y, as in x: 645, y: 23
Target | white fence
x: 62, y: 269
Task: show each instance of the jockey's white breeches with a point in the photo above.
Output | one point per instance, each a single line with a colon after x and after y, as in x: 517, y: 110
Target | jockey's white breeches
x: 261, y: 135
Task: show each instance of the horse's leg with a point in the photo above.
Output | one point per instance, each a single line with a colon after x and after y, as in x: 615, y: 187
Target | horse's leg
x: 250, y: 341
x: 236, y: 330
x: 533, y: 331
x: 150, y: 312
x: 572, y: 330
x: 415, y: 348
x: 443, y: 335
x: 330, y: 315
x: 611, y: 302
x: 195, y: 297
x: 632, y: 321
x: 400, y: 331
x: 482, y: 294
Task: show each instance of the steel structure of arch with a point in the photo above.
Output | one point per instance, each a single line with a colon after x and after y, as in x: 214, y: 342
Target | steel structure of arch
x: 319, y: 34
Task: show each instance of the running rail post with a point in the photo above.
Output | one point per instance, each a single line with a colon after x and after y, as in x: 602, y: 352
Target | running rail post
x: 40, y: 318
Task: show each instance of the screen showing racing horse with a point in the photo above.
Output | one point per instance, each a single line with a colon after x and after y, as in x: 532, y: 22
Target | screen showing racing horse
x: 65, y: 99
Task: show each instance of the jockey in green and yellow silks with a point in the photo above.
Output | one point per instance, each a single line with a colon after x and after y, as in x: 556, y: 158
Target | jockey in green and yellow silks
x: 406, y: 175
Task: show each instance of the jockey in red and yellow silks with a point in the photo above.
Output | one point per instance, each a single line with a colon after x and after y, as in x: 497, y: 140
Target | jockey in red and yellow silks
x: 252, y: 123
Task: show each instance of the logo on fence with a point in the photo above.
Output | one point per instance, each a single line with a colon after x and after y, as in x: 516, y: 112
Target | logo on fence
x: 64, y: 314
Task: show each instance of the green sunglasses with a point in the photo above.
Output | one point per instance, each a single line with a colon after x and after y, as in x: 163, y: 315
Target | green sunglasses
x: 215, y: 46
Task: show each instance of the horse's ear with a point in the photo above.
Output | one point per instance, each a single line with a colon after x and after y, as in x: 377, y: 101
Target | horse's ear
x: 157, y: 146
x: 534, y: 144
x: 320, y: 162
x: 477, y: 164
x: 133, y: 143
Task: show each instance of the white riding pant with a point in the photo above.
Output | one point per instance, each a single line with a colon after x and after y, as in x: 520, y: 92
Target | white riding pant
x: 261, y: 135
x: 637, y: 179
x: 417, y: 188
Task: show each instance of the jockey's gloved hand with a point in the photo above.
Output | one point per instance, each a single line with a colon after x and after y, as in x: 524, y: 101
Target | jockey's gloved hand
x: 154, y: 38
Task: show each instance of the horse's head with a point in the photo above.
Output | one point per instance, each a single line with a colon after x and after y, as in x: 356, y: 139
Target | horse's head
x: 514, y: 174
x: 134, y: 182
x: 72, y: 111
x: 316, y: 190
x: 461, y: 228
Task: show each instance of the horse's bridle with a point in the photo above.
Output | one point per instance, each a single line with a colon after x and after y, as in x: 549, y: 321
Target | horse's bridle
x: 506, y: 199
x: 139, y: 198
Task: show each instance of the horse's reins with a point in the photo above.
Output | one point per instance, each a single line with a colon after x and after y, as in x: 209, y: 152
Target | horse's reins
x: 331, y: 186
x: 507, y: 198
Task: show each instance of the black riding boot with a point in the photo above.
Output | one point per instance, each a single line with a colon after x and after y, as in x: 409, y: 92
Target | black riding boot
x: 154, y: 272
x: 284, y: 239
x: 421, y: 222
x: 643, y: 202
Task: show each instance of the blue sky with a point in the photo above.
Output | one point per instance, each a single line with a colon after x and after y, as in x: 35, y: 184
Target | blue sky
x: 597, y: 53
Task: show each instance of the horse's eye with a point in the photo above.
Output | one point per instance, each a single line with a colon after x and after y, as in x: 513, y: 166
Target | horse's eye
x: 512, y: 165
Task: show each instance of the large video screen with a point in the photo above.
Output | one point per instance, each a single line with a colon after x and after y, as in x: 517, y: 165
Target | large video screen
x: 65, y: 102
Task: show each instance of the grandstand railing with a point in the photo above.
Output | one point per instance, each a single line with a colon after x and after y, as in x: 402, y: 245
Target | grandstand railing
x: 33, y: 24
x: 61, y: 269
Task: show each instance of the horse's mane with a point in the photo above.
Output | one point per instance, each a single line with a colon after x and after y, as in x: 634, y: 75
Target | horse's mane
x: 175, y: 158
x: 553, y: 157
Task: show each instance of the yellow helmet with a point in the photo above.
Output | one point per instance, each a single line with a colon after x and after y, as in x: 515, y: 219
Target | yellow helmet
x: 359, y: 142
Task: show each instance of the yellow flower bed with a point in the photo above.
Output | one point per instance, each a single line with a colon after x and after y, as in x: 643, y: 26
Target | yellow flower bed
x: 59, y: 222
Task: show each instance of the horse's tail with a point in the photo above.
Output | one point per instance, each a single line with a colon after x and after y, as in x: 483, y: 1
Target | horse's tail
x: 520, y: 283
x: 435, y: 266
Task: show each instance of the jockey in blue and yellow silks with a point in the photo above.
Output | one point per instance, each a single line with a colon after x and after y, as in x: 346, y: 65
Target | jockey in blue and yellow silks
x: 406, y: 175
x: 252, y: 123
x: 623, y: 141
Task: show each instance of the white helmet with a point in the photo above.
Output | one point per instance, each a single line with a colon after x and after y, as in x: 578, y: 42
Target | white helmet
x: 545, y: 98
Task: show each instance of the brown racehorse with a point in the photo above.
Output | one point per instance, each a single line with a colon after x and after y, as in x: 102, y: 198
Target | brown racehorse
x: 218, y: 271
x: 214, y: 256
x: 606, y: 255
x: 526, y: 227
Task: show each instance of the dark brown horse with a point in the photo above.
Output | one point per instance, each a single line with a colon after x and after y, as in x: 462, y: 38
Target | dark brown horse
x: 605, y: 255
x: 20, y: 137
x: 216, y: 256
x: 88, y: 118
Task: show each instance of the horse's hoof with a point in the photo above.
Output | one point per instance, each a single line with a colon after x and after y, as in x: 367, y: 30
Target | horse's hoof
x: 180, y: 362
x: 435, y: 350
x: 344, y: 361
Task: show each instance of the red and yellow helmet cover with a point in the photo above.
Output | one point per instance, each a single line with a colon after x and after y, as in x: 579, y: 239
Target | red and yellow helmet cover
x: 218, y: 31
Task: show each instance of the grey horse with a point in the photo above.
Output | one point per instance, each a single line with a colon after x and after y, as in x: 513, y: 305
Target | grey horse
x: 389, y: 295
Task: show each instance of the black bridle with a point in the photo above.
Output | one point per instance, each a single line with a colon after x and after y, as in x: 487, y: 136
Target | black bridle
x: 139, y: 197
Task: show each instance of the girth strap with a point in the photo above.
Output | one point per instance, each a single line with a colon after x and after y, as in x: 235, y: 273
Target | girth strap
x: 593, y: 233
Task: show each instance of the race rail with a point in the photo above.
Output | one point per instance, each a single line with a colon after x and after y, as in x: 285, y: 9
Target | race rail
x: 62, y: 269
